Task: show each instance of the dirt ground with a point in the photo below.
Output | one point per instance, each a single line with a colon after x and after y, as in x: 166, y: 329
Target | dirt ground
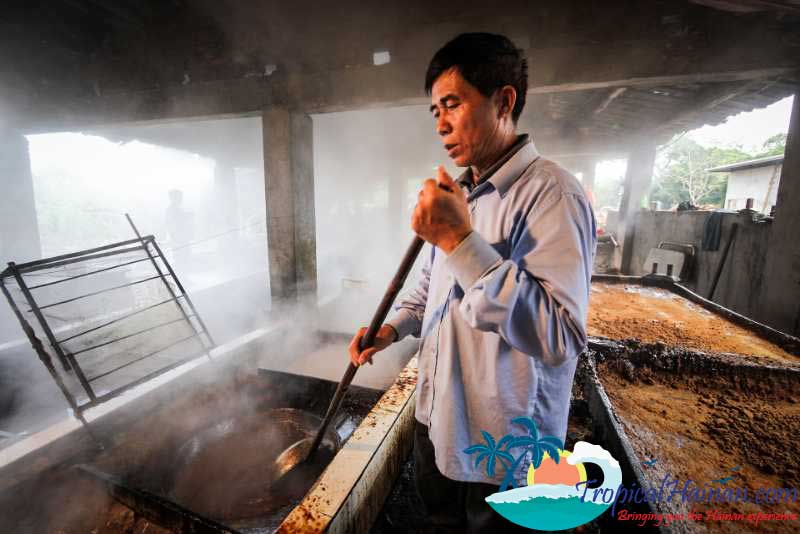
x: 707, y: 429
x: 653, y: 315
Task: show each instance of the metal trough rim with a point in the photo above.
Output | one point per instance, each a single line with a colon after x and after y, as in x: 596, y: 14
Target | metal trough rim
x: 607, y: 429
x: 607, y: 425
x: 351, y: 491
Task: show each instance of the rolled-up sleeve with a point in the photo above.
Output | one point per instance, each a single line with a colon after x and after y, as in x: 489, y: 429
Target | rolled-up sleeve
x: 537, y: 298
x: 410, y: 308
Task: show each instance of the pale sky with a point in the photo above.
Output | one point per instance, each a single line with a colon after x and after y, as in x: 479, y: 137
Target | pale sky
x: 117, y: 167
x: 748, y: 129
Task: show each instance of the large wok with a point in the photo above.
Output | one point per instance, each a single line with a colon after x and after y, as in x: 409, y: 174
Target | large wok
x: 227, y: 471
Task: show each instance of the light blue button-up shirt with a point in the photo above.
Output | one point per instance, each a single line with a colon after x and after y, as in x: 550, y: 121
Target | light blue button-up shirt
x: 502, y: 319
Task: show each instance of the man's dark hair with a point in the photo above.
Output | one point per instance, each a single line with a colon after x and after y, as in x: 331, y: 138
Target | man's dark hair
x: 487, y: 61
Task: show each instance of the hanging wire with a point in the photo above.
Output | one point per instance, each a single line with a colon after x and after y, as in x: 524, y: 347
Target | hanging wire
x: 215, y: 236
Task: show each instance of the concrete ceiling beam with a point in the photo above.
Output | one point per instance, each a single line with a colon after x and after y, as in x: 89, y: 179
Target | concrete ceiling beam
x: 759, y: 53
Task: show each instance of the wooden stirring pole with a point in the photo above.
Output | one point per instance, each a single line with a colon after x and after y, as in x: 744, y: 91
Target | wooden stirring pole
x: 369, y: 337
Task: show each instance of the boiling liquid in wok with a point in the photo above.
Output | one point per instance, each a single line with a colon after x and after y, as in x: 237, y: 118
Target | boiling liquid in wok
x: 227, y: 472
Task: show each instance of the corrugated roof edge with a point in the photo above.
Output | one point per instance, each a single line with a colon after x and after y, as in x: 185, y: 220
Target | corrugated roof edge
x: 749, y: 164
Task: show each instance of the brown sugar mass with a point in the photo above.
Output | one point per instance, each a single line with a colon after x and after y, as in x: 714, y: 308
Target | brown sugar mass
x: 656, y: 315
x: 709, y: 430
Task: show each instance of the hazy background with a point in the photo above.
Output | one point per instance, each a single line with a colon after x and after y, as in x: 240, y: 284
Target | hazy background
x: 368, y: 168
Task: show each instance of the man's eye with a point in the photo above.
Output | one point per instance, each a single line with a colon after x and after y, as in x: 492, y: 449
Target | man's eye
x: 452, y: 106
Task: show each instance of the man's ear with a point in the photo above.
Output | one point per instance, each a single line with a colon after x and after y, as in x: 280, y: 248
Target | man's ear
x: 506, y: 98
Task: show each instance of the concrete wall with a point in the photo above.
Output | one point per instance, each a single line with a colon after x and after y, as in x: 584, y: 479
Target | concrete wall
x: 19, y: 227
x: 779, y: 301
x: 762, y: 274
x: 19, y: 230
x: 742, y: 278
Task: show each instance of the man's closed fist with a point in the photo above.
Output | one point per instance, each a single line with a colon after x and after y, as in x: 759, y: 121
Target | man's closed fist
x: 441, y: 216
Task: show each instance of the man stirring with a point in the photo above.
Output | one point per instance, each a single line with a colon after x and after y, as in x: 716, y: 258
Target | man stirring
x: 502, y: 303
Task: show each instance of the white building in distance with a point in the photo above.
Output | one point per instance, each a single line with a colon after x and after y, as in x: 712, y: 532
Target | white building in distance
x: 756, y: 178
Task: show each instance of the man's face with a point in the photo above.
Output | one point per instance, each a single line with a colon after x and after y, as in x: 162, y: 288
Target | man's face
x: 466, y: 121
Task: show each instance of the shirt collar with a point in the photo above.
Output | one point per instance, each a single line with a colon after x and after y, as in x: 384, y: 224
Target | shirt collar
x: 505, y: 171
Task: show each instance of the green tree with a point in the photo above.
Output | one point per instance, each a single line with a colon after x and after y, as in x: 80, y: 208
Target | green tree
x: 681, y: 173
x: 774, y: 146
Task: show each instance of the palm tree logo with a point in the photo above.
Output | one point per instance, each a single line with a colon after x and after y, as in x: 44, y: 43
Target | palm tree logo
x: 532, y: 444
x: 492, y: 452
x: 550, y: 498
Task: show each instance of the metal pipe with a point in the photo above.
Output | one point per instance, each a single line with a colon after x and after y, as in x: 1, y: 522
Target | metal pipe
x: 37, y: 345
x: 23, y: 267
x: 12, y: 268
x: 166, y: 283
x: 47, y: 361
x: 118, y: 319
x: 162, y: 349
x: 81, y: 259
x: 100, y: 292
x: 87, y: 349
x: 183, y: 291
x: 138, y: 381
x: 87, y: 274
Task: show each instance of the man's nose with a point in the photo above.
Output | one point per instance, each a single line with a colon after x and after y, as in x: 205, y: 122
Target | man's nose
x: 443, y: 126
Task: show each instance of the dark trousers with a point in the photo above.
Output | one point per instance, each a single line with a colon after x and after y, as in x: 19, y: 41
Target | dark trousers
x: 453, y: 506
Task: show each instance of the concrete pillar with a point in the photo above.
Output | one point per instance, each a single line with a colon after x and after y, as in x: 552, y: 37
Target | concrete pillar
x: 291, y: 225
x: 638, y: 178
x: 780, y: 296
x: 19, y: 229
